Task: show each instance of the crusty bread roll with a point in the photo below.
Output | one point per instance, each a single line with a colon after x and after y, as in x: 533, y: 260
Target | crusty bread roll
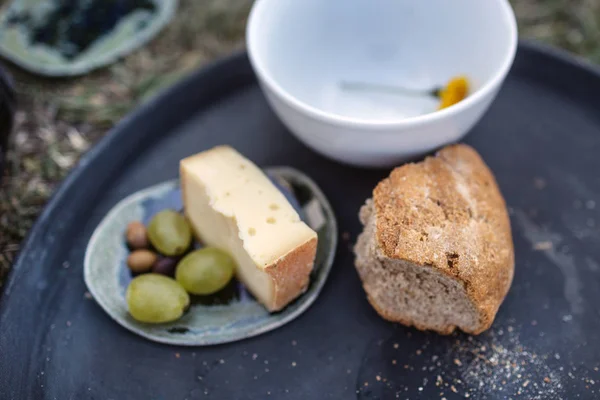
x: 436, y: 252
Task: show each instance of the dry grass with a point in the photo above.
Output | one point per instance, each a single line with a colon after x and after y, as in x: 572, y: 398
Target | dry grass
x: 571, y: 24
x: 59, y: 120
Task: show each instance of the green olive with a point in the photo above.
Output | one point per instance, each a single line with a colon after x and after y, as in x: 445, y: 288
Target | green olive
x: 170, y: 233
x: 205, y: 271
x: 156, y: 299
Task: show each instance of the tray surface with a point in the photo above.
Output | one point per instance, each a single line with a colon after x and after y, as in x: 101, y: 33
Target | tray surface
x: 541, y: 138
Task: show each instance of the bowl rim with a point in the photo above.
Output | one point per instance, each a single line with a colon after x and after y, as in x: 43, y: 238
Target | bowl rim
x: 491, y: 84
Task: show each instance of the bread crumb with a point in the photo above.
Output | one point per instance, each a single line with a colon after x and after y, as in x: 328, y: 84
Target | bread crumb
x: 419, y: 352
x: 395, y: 345
x: 453, y: 389
x: 293, y: 363
x: 541, y: 246
x: 539, y: 183
x: 177, y: 355
x: 366, y: 383
x: 378, y: 378
x: 254, y: 356
x: 457, y: 362
x: 394, y: 362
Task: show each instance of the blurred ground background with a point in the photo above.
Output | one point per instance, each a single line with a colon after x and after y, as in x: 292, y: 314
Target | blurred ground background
x: 59, y: 120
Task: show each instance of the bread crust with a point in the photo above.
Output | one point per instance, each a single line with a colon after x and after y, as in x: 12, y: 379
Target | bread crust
x: 447, y: 213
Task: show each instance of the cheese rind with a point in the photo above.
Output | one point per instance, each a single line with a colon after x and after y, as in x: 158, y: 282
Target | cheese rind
x: 232, y: 205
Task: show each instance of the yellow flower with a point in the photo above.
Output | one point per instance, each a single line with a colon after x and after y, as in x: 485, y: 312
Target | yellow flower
x: 455, y: 91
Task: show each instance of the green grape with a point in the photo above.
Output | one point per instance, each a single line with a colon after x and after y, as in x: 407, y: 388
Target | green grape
x: 205, y: 271
x: 170, y: 233
x: 155, y: 298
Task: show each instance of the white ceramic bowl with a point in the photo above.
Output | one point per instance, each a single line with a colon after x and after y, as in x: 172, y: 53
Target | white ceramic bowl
x: 301, y: 51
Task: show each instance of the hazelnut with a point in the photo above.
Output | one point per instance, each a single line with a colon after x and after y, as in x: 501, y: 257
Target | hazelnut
x: 141, y: 261
x: 136, y: 235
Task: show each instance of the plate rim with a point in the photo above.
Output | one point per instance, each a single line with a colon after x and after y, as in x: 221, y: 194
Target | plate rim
x: 36, y: 233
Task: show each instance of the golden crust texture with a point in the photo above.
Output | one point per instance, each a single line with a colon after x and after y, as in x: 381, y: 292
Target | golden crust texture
x: 447, y: 213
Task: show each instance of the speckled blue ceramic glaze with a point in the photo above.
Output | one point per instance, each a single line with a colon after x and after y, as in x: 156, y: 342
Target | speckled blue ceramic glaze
x: 132, y: 31
x: 233, y: 314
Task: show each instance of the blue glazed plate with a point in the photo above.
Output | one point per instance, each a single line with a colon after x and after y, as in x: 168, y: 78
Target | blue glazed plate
x: 19, y: 27
x: 234, y: 314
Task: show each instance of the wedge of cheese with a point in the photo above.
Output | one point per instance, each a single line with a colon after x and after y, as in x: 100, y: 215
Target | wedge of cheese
x: 232, y: 205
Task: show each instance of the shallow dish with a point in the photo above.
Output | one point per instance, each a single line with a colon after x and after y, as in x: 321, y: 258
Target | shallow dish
x: 304, y: 52
x: 25, y: 40
x: 229, y: 316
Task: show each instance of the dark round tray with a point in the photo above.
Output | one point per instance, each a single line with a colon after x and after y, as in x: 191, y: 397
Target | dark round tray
x: 541, y: 137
